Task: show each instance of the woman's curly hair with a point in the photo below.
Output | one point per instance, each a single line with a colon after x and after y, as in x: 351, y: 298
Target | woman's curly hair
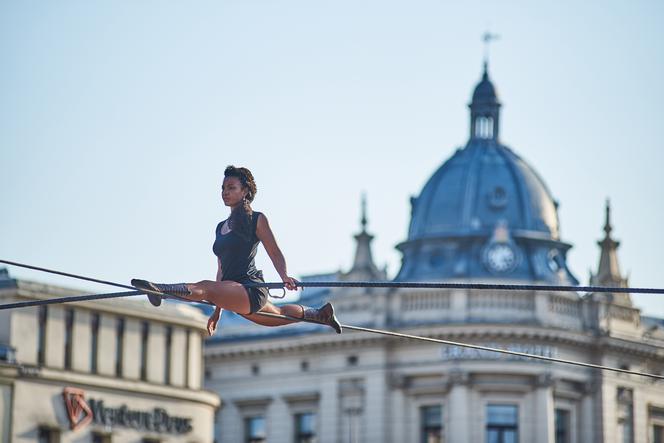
x: 240, y: 220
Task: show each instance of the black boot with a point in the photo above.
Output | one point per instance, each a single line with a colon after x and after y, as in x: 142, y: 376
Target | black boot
x: 176, y: 290
x: 323, y: 315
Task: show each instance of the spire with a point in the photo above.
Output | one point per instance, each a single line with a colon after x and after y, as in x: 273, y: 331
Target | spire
x: 363, y: 265
x: 487, y: 38
x: 364, y: 213
x: 608, y: 271
x: 484, y: 109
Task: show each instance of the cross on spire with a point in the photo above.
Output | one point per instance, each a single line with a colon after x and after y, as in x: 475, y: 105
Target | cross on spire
x: 487, y: 38
x: 607, y: 224
x: 364, y: 212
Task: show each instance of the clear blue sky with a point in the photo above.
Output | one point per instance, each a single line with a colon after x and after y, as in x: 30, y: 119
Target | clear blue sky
x: 118, y: 118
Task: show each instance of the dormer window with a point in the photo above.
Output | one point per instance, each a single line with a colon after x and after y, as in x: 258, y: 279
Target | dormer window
x: 484, y: 127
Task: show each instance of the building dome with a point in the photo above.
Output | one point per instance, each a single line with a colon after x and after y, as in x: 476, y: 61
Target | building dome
x: 478, y: 186
x: 485, y: 213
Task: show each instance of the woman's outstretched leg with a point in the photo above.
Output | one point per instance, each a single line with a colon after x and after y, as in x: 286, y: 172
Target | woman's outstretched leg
x: 295, y: 311
x: 234, y: 297
x: 324, y: 315
x: 228, y: 295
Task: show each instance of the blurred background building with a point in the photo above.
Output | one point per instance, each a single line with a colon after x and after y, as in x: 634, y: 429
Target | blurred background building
x: 484, y: 216
x: 100, y: 371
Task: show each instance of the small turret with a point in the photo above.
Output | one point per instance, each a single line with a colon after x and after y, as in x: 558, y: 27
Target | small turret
x: 608, y: 271
x: 484, y: 110
x: 364, y: 267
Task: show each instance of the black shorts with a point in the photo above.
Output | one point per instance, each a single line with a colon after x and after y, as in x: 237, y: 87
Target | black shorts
x: 257, y: 296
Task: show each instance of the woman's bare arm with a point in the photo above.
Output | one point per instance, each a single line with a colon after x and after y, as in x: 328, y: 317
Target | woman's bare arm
x: 220, y: 273
x: 214, y: 318
x: 265, y: 235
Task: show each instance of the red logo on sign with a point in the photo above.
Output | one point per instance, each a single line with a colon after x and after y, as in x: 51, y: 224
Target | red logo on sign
x: 78, y: 411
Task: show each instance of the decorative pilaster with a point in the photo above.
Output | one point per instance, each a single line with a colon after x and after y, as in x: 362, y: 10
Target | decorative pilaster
x: 458, y: 407
x: 544, y: 416
x: 329, y: 411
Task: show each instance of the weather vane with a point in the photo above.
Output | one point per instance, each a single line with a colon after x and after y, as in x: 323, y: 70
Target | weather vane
x: 488, y: 38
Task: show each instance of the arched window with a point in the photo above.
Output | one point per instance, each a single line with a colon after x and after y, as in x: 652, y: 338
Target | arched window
x: 484, y: 127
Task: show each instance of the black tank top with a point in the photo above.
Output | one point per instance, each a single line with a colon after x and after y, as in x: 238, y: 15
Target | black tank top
x: 237, y: 254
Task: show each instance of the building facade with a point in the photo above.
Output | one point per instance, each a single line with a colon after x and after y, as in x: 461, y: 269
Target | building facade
x: 100, y: 371
x: 484, y: 216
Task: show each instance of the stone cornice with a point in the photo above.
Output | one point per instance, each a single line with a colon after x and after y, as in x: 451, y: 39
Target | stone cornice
x: 132, y: 387
x: 180, y: 315
x: 301, y: 397
x: 463, y: 332
x: 632, y: 347
x: 254, y: 402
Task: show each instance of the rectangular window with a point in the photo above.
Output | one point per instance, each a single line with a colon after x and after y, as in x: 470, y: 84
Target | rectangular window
x: 186, y: 360
x: 7, y: 353
x: 167, y: 355
x: 352, y: 430
x: 656, y: 423
x: 562, y: 425
x: 94, y: 342
x: 431, y: 424
x: 48, y: 435
x: 625, y: 406
x: 254, y: 430
x: 69, y: 332
x: 305, y: 428
x: 502, y: 425
x: 101, y: 438
x: 119, y: 345
x: 658, y: 433
x: 145, y: 332
x: 41, y: 336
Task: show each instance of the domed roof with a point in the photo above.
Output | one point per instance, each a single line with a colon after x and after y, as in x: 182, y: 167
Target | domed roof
x: 484, y: 199
x: 480, y: 185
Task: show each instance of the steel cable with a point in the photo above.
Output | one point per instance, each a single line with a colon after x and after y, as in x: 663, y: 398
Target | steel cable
x: 359, y: 328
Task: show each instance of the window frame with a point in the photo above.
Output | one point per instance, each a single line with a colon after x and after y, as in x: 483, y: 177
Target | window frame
x: 120, y: 329
x: 303, y: 437
x: 95, y: 324
x: 501, y: 428
x: 423, y: 428
x: 70, y: 319
x: 568, y: 437
x: 42, y: 324
x: 247, y: 437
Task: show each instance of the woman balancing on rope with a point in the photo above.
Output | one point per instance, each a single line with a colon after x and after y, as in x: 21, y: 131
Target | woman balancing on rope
x: 235, y: 246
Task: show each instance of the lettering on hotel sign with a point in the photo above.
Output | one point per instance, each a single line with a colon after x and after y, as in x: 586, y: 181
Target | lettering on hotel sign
x: 82, y: 412
x: 460, y: 353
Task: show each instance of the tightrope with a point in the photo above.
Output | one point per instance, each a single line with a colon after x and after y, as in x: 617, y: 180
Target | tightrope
x: 74, y: 298
x: 391, y: 284
x: 478, y: 347
x: 133, y: 289
x: 134, y: 292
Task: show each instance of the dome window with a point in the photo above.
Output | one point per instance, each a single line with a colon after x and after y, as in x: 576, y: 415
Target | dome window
x: 436, y: 259
x: 484, y: 127
x: 554, y: 261
x: 497, y: 198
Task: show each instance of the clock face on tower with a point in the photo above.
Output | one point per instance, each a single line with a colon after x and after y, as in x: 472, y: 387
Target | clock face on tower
x: 500, y: 257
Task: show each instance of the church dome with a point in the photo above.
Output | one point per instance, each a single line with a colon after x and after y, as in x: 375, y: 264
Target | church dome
x: 485, y: 213
x: 480, y: 185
